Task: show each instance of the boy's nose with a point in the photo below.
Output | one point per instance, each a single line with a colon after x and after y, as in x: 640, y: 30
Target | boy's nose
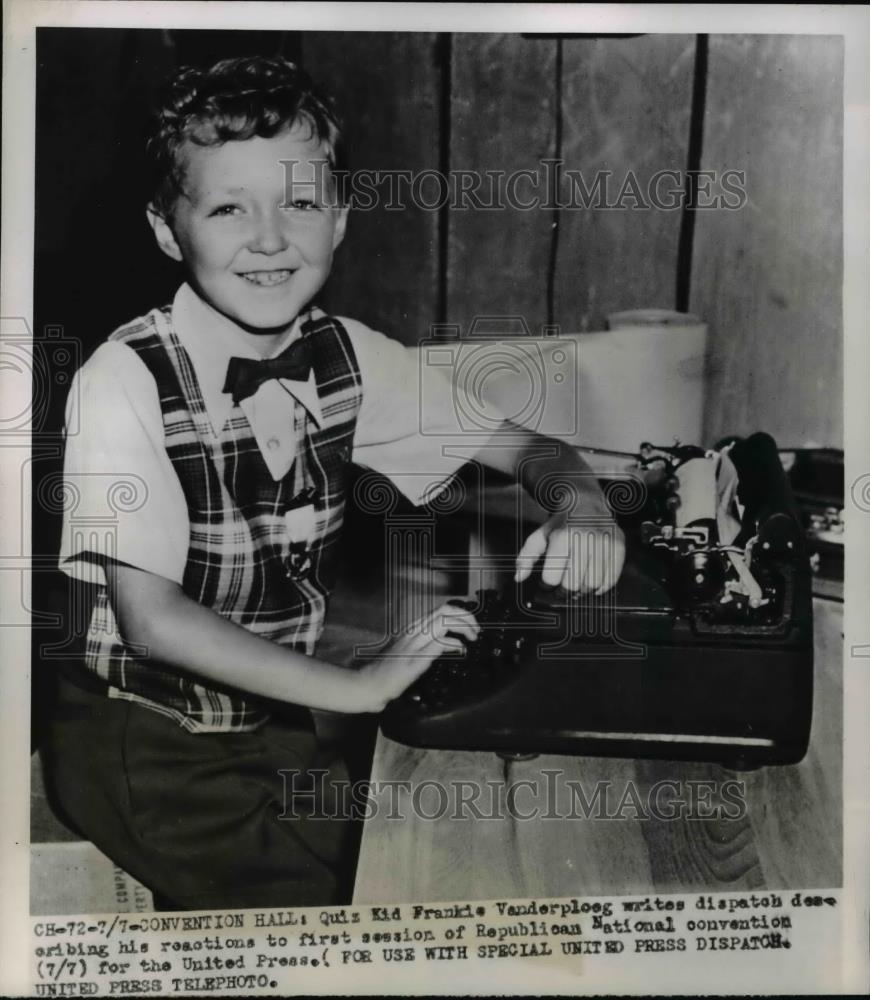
x: 268, y: 235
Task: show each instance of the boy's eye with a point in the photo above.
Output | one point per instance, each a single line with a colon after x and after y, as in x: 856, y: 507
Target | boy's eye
x: 225, y: 210
x: 303, y: 204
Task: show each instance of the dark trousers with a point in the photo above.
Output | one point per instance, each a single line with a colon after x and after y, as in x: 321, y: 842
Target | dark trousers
x: 205, y: 821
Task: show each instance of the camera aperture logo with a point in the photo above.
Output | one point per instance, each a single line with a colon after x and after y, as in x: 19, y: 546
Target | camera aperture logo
x: 37, y: 376
x: 499, y: 371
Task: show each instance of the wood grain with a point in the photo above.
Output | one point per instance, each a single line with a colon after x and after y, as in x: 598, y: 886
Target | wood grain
x: 788, y: 836
x: 767, y: 278
x: 797, y: 812
x: 502, y: 118
x: 708, y: 852
x: 580, y: 855
x: 387, y: 86
x: 626, y: 105
x: 433, y: 859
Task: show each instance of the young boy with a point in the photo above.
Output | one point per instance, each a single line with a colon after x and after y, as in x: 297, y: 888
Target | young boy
x: 238, y: 409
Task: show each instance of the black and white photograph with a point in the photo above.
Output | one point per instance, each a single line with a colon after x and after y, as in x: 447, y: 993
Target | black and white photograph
x: 433, y: 500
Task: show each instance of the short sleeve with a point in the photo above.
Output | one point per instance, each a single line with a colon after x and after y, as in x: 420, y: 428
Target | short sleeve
x: 410, y: 427
x: 122, y: 498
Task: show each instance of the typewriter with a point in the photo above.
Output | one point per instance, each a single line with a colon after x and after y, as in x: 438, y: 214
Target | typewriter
x: 702, y: 651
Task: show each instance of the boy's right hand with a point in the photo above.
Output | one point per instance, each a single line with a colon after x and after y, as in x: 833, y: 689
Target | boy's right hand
x: 414, y: 652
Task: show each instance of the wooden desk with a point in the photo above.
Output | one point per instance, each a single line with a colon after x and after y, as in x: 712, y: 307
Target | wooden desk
x: 790, y: 836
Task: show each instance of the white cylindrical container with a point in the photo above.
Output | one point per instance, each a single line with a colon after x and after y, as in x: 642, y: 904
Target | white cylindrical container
x: 697, y: 491
x: 642, y: 380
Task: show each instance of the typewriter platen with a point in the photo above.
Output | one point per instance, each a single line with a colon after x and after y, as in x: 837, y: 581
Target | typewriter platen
x: 703, y: 650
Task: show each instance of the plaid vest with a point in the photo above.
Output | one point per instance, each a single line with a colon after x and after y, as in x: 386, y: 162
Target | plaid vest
x: 238, y: 550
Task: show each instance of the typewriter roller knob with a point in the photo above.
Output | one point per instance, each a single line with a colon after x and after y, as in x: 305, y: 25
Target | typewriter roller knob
x: 780, y: 536
x: 700, y: 576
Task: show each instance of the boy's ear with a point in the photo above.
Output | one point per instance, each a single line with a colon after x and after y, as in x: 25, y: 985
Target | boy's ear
x: 340, y: 226
x: 163, y: 233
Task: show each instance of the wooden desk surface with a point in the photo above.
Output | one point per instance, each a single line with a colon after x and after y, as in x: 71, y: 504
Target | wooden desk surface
x: 790, y: 835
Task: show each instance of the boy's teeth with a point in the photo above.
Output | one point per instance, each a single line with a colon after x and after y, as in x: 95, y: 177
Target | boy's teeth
x: 266, y: 277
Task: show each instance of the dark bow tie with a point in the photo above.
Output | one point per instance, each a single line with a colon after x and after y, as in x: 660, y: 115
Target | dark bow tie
x: 245, y: 376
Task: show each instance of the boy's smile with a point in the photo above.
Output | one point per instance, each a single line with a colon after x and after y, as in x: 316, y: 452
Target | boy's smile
x: 257, y: 245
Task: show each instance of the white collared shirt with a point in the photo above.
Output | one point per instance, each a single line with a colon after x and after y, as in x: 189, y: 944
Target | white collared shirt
x: 408, y: 412
x: 210, y: 341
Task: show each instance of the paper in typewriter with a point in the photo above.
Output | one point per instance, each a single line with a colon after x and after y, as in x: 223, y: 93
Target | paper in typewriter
x: 619, y: 252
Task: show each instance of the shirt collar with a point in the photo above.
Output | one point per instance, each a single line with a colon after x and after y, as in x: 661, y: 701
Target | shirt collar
x: 211, y: 339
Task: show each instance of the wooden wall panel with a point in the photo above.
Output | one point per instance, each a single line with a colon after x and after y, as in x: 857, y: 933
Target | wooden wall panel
x: 502, y: 118
x: 387, y: 85
x: 626, y: 105
x: 768, y: 278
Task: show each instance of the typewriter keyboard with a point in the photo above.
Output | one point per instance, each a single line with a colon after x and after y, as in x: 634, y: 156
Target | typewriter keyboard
x: 488, y: 662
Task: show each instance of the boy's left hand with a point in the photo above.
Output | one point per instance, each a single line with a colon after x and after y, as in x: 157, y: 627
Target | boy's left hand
x: 585, y: 557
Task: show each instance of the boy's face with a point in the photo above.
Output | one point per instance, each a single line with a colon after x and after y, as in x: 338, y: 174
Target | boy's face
x: 257, y: 248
